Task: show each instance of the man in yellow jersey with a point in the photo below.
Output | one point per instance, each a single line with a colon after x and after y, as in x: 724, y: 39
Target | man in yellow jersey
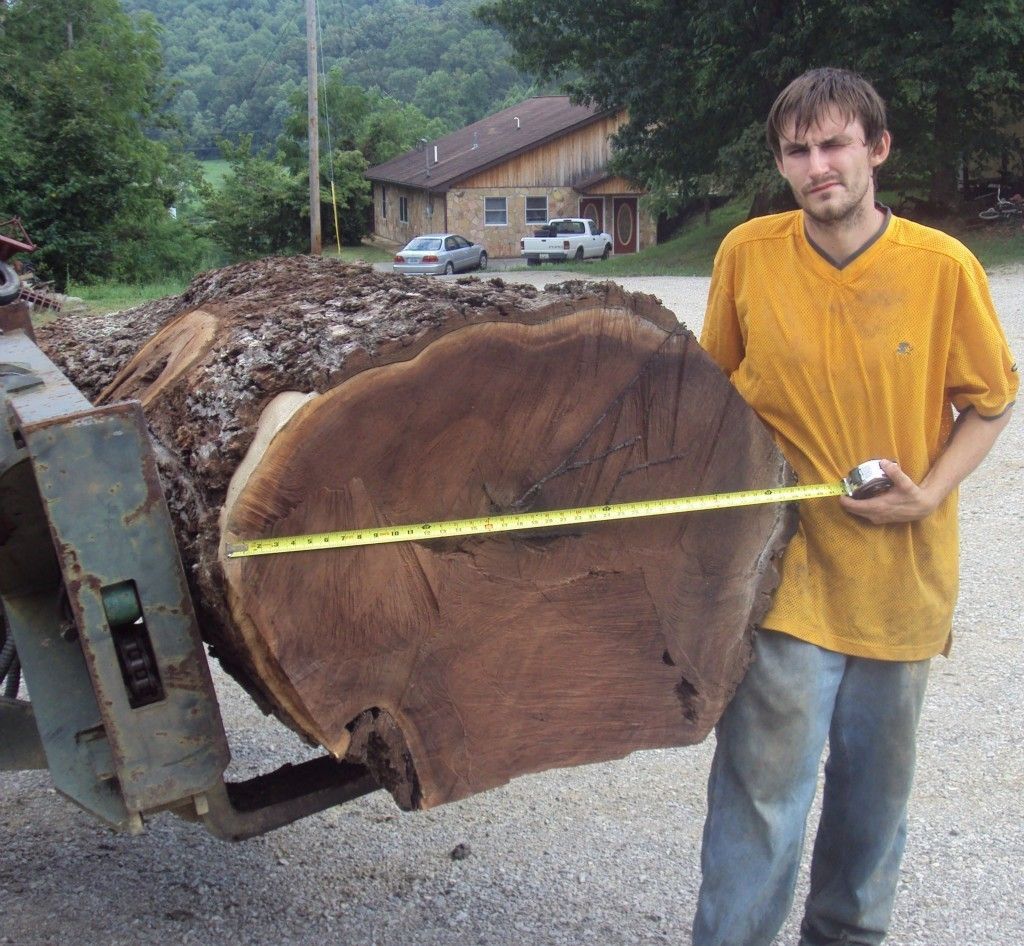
x: 855, y: 335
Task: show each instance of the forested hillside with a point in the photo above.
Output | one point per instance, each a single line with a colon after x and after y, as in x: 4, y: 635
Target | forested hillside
x: 234, y: 63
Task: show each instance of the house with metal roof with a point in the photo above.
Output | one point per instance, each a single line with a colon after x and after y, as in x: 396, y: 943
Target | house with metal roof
x: 498, y: 179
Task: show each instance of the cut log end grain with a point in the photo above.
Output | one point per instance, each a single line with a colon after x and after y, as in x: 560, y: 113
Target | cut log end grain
x: 321, y: 397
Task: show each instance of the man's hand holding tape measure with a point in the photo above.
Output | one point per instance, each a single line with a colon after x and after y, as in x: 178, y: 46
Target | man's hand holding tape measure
x: 903, y: 500
x: 898, y: 499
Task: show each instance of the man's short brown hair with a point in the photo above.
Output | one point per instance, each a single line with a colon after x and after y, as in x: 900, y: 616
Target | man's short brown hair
x: 818, y: 91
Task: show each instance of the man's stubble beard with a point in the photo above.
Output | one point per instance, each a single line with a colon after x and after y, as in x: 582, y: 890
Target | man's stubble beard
x: 839, y: 215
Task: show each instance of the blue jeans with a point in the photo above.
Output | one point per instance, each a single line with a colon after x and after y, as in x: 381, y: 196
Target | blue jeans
x: 763, y: 781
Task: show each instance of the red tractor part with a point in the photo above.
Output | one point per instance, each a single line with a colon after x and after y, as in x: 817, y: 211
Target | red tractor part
x: 14, y: 239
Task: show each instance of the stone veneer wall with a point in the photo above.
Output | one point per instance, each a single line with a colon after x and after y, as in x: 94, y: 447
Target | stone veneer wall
x: 420, y: 221
x: 466, y: 214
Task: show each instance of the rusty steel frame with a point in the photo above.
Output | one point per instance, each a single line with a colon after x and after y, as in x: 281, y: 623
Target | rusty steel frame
x: 10, y: 245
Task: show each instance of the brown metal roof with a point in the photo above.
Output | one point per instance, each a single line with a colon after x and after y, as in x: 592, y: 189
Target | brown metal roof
x: 485, y: 143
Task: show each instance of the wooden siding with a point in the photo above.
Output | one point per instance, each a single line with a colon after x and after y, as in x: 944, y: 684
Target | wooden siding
x: 572, y: 157
x: 617, y: 186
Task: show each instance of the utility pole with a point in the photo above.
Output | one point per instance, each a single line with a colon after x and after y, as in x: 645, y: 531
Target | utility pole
x: 315, y: 236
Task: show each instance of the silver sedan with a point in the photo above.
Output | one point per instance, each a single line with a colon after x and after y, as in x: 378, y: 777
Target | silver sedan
x: 439, y: 253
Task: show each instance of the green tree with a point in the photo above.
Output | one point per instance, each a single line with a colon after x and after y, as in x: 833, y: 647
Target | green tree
x: 260, y: 208
x: 953, y: 74
x: 353, y: 195
x: 361, y: 128
x: 698, y: 77
x: 81, y: 81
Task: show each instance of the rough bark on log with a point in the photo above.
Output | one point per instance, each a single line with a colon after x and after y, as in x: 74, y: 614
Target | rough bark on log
x: 302, y: 395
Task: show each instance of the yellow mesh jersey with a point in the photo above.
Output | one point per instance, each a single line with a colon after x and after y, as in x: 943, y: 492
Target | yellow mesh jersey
x: 847, y: 365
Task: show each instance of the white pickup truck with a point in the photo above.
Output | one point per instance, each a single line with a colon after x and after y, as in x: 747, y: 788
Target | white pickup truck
x: 565, y: 238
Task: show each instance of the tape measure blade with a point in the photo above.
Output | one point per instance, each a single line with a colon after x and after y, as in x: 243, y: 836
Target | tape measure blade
x: 382, y: 535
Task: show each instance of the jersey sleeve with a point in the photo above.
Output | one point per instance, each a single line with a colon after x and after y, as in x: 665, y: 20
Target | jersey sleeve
x: 722, y: 335
x: 981, y: 372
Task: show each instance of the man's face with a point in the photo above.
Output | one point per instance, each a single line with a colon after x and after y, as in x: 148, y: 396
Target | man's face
x: 830, y: 166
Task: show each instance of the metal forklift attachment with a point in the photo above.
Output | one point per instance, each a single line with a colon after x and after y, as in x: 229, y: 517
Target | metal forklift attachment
x: 123, y: 710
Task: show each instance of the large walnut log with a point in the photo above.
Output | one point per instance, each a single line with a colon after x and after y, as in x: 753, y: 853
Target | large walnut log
x: 301, y: 395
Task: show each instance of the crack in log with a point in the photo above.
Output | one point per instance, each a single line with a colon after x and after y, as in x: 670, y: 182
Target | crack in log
x: 680, y: 382
x: 688, y: 699
x: 709, y: 453
x: 649, y: 465
x: 411, y: 556
x: 616, y: 404
x: 572, y: 467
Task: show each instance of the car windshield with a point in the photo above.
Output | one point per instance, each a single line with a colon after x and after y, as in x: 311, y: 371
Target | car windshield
x: 422, y: 243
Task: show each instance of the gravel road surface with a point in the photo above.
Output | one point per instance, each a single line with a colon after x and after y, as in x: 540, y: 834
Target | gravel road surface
x: 604, y: 855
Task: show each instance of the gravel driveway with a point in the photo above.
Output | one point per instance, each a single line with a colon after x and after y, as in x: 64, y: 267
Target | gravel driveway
x: 604, y: 855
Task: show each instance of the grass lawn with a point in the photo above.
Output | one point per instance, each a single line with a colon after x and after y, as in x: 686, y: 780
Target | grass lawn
x: 215, y: 171
x: 366, y: 253
x: 995, y: 245
x: 112, y: 296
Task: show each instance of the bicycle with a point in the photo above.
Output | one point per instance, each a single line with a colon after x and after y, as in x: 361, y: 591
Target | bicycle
x: 1004, y: 209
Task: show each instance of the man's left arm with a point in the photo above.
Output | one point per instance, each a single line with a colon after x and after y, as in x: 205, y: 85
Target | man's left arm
x: 972, y: 439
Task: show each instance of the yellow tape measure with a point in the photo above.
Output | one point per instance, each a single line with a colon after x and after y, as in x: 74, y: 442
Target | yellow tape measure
x: 866, y: 480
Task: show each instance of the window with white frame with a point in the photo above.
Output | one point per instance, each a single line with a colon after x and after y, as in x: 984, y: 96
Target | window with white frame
x: 403, y: 209
x: 496, y: 211
x: 537, y: 209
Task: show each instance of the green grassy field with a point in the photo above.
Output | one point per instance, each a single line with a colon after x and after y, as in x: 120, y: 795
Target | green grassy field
x: 215, y: 171
x: 995, y: 246
x: 353, y: 254
x: 113, y: 296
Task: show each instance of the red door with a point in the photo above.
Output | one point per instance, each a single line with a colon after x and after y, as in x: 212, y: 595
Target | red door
x: 624, y: 225
x: 593, y: 207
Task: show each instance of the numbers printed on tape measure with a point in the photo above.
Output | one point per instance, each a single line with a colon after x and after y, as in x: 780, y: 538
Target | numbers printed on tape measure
x: 511, y: 522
